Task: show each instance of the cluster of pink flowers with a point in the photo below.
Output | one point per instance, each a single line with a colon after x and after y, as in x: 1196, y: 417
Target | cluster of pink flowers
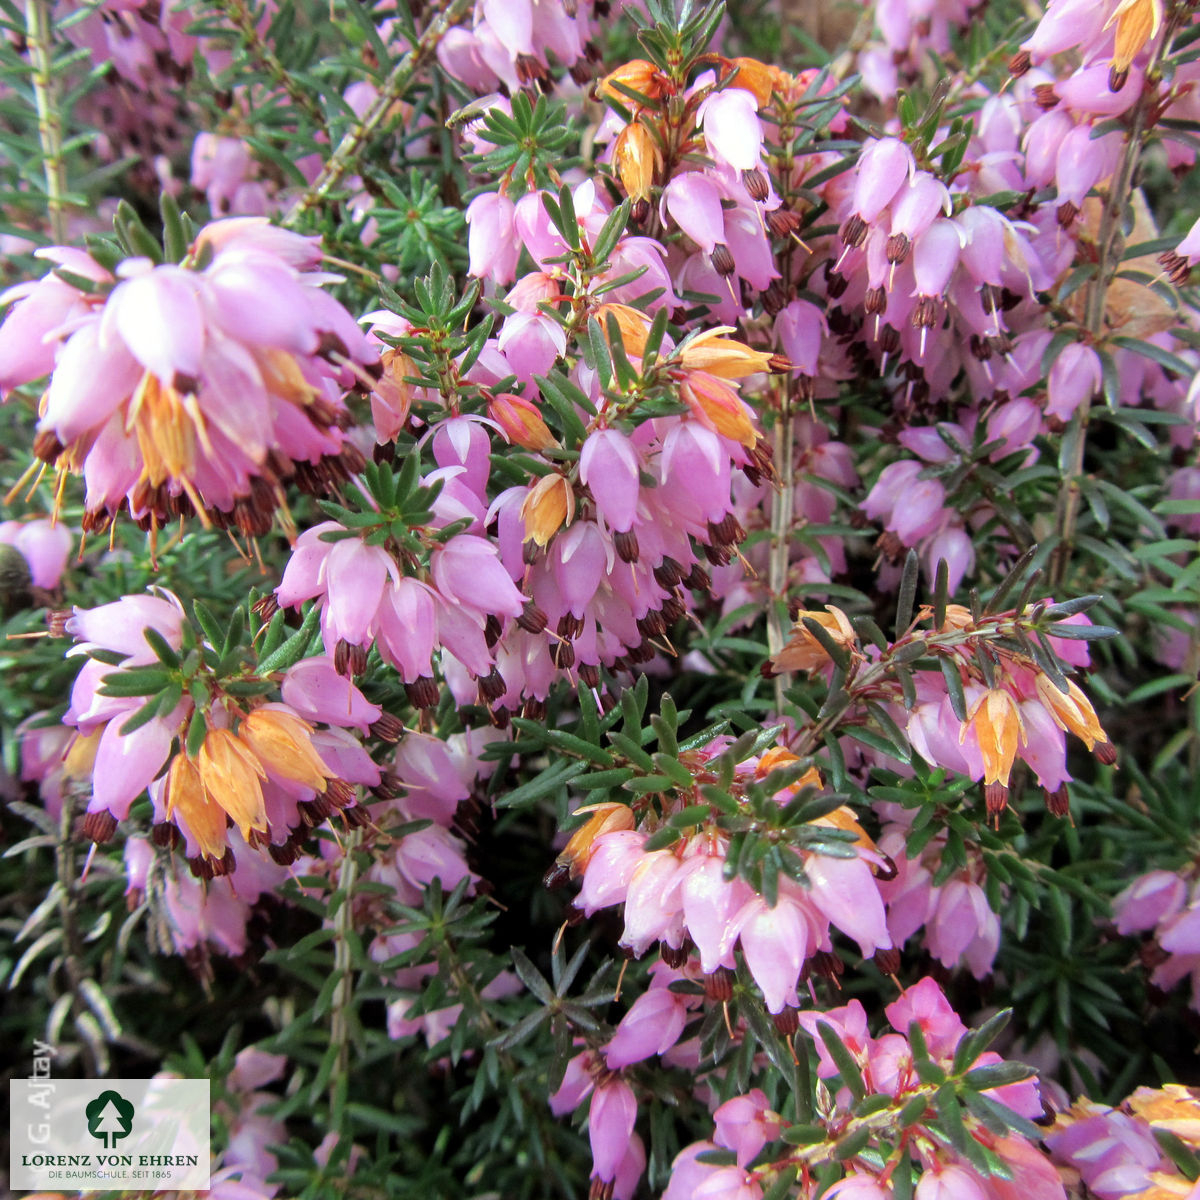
x: 745, y: 1124
x: 1164, y: 907
x: 682, y: 897
x: 266, y: 768
x: 514, y: 43
x: 177, y: 389
x: 959, y: 924
x: 1115, y: 1152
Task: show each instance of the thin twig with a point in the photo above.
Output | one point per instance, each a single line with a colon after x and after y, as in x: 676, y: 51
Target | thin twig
x: 348, y: 149
x: 782, y: 500
x: 343, y: 960
x: 1110, y: 246
x: 266, y: 58
x: 38, y: 31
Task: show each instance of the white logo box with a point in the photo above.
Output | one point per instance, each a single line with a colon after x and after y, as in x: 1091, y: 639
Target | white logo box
x: 108, y: 1135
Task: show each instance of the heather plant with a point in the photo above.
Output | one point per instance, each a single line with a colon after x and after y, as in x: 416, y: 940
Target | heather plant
x: 602, y: 600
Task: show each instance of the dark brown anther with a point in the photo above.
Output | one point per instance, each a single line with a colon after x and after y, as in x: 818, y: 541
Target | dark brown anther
x: 1058, y: 802
x: 164, y: 835
x: 642, y: 653
x: 532, y: 619
x: 775, y: 298
x: 781, y: 222
x: 989, y: 296
x: 267, y: 607
x: 56, y: 621
x: 558, y: 875
x: 786, y: 1021
x: 563, y: 654
x: 674, y: 956
x: 1019, y: 64
x: 530, y: 70
x: 1045, y: 96
x: 842, y: 324
x: 598, y: 1189
x: 668, y: 573
x: 339, y: 792
x: 889, y: 339
x: 652, y: 624
x: 1106, y: 753
x: 719, y: 985
x: 320, y: 807
x: 639, y: 211
x: 1000, y: 343
x: 47, y: 447
x: 492, y: 686
x: 349, y: 461
x: 492, y: 630
x: 388, y: 787
x: 722, y: 259
x: 589, y: 673
x: 200, y: 867
x: 95, y: 521
x: 422, y: 693
x: 227, y: 865
x: 499, y: 717
x: 835, y: 283
x: 1177, y: 267
x: 886, y: 871
x: 529, y: 552
x: 1067, y: 213
x: 672, y: 610
x: 356, y: 816
x: 304, y: 476
x: 626, y: 543
x: 534, y: 709
x: 888, y: 961
x: 284, y: 854
x: 996, y: 797
x: 828, y: 965
x: 698, y: 579
x: 388, y: 728
x: 349, y: 660
x: 980, y: 347
x: 1117, y: 78
x: 1048, y: 1117
x: 897, y: 247
x: 890, y: 546
x: 755, y: 183
x: 581, y: 72
x: 854, y: 230
x: 718, y: 556
x: 726, y: 532
x: 100, y: 826
x: 875, y: 301
x: 569, y: 626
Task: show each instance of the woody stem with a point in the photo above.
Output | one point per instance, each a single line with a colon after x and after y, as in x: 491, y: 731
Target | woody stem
x: 38, y: 31
x: 343, y: 967
x: 345, y: 156
x: 1110, y: 244
x: 781, y: 526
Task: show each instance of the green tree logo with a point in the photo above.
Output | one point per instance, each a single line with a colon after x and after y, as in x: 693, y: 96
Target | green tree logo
x: 109, y: 1118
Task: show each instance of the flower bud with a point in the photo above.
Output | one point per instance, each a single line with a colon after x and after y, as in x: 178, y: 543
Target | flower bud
x: 521, y: 422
